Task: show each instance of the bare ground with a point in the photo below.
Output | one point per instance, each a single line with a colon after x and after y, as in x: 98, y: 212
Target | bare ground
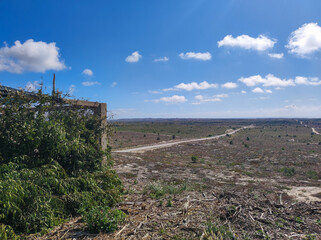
x: 241, y: 187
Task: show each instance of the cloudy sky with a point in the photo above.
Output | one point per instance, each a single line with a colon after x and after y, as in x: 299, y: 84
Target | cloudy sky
x: 181, y: 58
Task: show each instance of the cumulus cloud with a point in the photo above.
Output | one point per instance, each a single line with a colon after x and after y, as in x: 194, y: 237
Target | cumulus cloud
x: 33, y: 86
x: 198, y: 56
x: 88, y: 84
x: 307, y: 81
x: 229, y: 85
x: 261, y: 43
x: 30, y: 56
x: 244, y: 92
x: 164, y: 59
x: 268, y: 81
x: 258, y: 90
x: 88, y: 72
x: 305, y: 40
x: 272, y: 81
x: 276, y: 55
x: 172, y: 99
x: 192, y: 86
x: 134, y: 57
x: 201, y: 99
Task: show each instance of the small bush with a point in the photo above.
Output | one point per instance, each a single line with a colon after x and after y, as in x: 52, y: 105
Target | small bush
x: 194, y: 159
x: 218, y: 231
x: 312, y: 174
x: 103, y: 219
x: 289, y: 172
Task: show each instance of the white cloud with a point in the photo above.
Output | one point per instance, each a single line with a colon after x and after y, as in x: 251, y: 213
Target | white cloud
x: 258, y: 90
x: 229, y: 85
x: 172, y: 99
x: 223, y: 95
x: 244, y: 92
x: 134, y: 57
x: 199, y: 97
x: 88, y: 72
x: 114, y: 84
x: 202, y: 99
x: 305, y: 40
x: 30, y: 56
x: 276, y: 55
x: 88, y: 84
x: 192, y: 86
x: 199, y: 56
x: 269, y: 81
x: 261, y: 43
x: 164, y: 59
x: 33, y: 86
x: 307, y: 81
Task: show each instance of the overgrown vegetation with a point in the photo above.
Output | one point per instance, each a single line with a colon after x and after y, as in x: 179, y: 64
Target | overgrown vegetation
x: 51, y: 165
x: 103, y: 219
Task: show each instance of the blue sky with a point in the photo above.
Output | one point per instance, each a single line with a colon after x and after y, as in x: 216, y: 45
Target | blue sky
x: 169, y: 58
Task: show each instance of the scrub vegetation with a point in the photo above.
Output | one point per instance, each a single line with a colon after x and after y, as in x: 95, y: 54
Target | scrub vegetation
x: 52, y: 167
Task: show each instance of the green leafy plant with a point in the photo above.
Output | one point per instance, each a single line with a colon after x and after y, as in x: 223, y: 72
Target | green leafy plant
x: 103, y: 219
x: 194, y: 159
x: 52, y: 166
x: 289, y: 172
x: 218, y: 231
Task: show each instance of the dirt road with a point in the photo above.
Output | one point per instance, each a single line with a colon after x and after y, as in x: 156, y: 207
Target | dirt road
x: 313, y: 130
x: 169, y: 144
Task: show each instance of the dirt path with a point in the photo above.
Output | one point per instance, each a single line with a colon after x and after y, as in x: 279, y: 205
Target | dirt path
x: 169, y: 144
x: 314, y: 131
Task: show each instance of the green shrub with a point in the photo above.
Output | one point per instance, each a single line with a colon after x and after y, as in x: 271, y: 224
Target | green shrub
x: 312, y: 174
x: 103, y: 219
x: 289, y: 172
x: 218, y: 231
x: 51, y: 164
x: 194, y: 159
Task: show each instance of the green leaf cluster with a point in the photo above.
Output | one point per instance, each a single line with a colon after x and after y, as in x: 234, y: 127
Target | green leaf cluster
x: 52, y: 166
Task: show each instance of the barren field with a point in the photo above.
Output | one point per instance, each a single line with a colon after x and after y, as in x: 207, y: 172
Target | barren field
x: 258, y: 183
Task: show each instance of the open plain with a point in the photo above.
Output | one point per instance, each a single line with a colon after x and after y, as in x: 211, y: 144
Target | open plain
x: 261, y: 182
x: 216, y: 179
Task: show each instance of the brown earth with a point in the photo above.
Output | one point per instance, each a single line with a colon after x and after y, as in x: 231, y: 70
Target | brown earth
x: 261, y: 183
